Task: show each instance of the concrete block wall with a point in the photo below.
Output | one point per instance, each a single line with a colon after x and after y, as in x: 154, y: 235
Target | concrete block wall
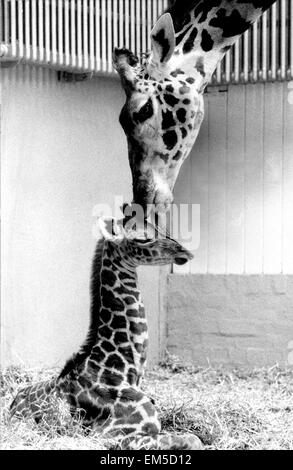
x: 230, y: 319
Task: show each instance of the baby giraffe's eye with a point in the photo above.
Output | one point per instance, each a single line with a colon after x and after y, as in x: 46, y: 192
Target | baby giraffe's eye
x: 145, y: 112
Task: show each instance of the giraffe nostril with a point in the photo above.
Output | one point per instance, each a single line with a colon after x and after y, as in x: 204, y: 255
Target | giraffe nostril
x: 180, y: 260
x: 182, y: 256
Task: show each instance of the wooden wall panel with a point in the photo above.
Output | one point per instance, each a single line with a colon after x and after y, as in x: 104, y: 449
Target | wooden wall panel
x: 180, y: 216
x: 273, y: 169
x: 241, y: 173
x: 200, y: 194
x: 253, y: 176
x: 217, y: 181
x: 235, y: 179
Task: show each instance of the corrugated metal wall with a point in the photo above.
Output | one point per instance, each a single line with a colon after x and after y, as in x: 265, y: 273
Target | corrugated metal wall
x: 241, y: 173
x: 80, y: 36
x: 264, y: 52
x: 76, y: 35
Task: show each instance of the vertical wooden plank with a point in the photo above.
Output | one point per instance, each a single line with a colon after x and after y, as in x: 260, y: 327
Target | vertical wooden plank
x: 273, y: 141
x: 253, y: 237
x: 200, y: 191
x: 217, y: 181
x: 288, y: 179
x: 235, y: 180
x: 182, y: 196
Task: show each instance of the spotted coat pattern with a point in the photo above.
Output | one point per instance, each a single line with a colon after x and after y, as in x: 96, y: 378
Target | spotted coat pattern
x: 164, y: 92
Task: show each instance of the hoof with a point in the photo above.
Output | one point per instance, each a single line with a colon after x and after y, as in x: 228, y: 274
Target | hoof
x: 181, y: 442
x: 195, y: 443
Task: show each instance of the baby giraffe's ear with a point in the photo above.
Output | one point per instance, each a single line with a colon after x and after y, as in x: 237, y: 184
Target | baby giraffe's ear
x: 110, y: 229
x: 163, y: 39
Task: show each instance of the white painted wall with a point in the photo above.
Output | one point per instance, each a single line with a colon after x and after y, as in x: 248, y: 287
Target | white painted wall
x: 240, y: 171
x: 62, y: 152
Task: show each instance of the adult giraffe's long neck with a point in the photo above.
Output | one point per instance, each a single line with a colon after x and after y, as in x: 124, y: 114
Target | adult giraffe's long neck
x: 122, y: 334
x: 206, y: 29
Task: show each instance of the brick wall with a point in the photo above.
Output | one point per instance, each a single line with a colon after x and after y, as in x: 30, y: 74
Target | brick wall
x: 230, y: 319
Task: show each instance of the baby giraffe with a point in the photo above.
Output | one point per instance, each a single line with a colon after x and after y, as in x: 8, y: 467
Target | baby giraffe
x: 103, y: 378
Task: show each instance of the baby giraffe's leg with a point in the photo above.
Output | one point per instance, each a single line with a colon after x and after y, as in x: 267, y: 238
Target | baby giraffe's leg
x: 170, y: 441
x: 136, y: 417
x: 133, y: 414
x: 33, y: 401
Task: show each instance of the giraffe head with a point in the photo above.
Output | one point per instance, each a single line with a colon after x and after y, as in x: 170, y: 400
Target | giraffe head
x: 140, y: 244
x: 162, y: 113
x: 164, y: 103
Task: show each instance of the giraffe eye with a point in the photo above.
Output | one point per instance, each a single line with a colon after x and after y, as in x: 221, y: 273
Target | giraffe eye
x: 145, y: 112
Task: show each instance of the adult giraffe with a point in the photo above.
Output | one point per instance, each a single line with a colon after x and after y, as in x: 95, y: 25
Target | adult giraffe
x: 164, y: 105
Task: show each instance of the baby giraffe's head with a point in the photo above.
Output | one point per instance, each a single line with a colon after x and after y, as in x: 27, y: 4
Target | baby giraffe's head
x: 162, y: 113
x: 139, y: 245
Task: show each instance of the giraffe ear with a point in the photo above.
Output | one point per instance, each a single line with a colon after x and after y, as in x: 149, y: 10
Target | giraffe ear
x: 110, y: 229
x: 163, y: 39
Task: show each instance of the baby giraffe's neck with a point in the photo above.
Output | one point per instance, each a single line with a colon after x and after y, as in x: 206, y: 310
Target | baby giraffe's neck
x: 121, y: 341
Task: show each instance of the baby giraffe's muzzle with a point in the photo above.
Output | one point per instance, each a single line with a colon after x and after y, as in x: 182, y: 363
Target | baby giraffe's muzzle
x: 182, y: 257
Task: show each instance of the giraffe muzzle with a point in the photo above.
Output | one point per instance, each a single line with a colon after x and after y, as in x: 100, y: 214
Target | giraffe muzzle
x: 181, y: 260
